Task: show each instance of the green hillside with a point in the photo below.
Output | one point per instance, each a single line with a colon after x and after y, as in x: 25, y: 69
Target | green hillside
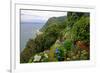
x: 64, y: 38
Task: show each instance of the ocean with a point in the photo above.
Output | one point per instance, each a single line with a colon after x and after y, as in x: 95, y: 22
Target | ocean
x: 27, y: 31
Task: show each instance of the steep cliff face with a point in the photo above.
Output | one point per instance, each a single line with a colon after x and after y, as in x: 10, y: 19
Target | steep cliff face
x: 54, y: 20
x: 65, y: 29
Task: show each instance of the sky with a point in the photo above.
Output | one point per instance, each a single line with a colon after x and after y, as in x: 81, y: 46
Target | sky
x: 40, y: 16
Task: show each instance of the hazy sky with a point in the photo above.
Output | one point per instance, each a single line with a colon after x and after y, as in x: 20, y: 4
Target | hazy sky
x: 33, y: 16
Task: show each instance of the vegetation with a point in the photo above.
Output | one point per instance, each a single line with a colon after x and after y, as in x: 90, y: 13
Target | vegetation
x: 65, y: 38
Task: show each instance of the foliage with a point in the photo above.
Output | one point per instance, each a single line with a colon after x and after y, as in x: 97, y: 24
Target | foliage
x: 59, y: 53
x: 72, y: 17
x: 67, y: 45
x: 25, y: 55
x: 81, y: 29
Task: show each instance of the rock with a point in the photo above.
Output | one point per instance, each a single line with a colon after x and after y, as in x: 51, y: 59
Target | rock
x: 38, y: 32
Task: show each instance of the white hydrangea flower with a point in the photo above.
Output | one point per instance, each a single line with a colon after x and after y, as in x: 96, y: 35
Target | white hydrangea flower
x: 46, y: 55
x: 37, y: 58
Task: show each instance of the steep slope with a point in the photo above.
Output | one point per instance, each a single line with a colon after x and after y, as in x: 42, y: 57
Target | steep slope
x: 63, y: 31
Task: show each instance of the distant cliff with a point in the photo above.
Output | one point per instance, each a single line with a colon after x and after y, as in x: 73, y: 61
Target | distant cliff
x: 54, y: 20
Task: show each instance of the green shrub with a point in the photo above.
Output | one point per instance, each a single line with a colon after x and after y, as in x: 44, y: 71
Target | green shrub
x: 67, y: 45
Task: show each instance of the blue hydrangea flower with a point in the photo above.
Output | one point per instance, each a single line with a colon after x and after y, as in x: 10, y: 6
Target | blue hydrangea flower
x: 57, y: 50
